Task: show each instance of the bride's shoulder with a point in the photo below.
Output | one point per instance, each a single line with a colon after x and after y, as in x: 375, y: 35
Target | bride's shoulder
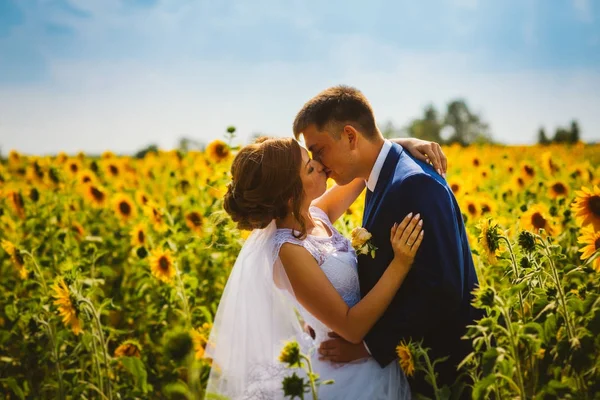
x: 319, y: 213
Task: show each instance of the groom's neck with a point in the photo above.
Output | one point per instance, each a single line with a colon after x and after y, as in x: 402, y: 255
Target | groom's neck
x: 369, y: 154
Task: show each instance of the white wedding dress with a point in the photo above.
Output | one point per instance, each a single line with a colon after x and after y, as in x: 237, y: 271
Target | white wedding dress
x: 363, y: 379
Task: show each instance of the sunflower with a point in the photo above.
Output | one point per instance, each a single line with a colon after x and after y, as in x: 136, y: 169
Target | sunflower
x: 527, y: 171
x: 558, y: 189
x: 129, y: 348
x: 107, y: 155
x: 142, y: 198
x: 78, y: 229
x: 489, y: 239
x: 518, y: 182
x: 62, y: 157
x: 487, y: 205
x: 156, y: 216
x: 549, y: 166
x: 200, y: 338
x: 17, y: 203
x: 95, y: 194
x: 471, y: 206
x: 14, y: 158
x: 193, y: 220
x: 217, y: 150
x: 591, y: 239
x: 124, y: 207
x: 138, y: 235
x: 112, y: 168
x: 405, y: 357
x: 86, y: 176
x: 587, y: 207
x: 16, y: 257
x: 67, y: 306
x: 455, y: 186
x: 161, y: 265
x: 538, y: 217
x: 73, y: 166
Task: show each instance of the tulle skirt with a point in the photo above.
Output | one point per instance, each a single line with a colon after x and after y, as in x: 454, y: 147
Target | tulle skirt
x: 361, y: 380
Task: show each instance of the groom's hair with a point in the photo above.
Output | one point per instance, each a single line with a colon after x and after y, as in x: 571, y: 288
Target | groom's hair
x: 335, y: 107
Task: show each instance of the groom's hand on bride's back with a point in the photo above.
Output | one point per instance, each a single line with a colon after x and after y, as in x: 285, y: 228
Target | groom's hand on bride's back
x: 340, y: 350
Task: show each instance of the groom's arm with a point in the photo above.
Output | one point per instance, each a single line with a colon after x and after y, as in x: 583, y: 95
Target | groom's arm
x: 432, y: 291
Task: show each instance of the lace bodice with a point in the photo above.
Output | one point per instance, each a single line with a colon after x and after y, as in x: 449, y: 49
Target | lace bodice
x: 337, y: 260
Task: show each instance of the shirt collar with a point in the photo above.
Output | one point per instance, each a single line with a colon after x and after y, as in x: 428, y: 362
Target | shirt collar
x: 374, y: 176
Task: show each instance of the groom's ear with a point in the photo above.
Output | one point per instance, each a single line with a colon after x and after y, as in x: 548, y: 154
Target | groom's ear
x: 351, y: 135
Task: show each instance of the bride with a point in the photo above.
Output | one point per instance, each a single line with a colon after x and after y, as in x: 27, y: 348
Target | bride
x: 296, y: 263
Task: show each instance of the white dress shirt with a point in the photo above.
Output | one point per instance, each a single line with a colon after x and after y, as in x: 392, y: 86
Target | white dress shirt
x: 374, y: 176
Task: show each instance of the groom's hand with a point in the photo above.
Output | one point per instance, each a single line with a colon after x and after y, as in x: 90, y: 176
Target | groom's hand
x: 340, y: 350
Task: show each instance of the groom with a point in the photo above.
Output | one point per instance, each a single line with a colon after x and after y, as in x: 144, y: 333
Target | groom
x: 434, y: 303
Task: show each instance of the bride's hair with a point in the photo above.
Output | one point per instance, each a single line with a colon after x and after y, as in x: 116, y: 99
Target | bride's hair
x: 266, y: 184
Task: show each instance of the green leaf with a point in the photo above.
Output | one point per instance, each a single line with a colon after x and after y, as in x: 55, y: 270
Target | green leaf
x: 136, y: 367
x: 12, y: 383
x: 488, y: 361
x: 482, y: 387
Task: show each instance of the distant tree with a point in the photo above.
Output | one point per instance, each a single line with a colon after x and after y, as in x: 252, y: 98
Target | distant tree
x: 389, y: 130
x: 148, y: 149
x: 562, y: 135
x: 428, y: 127
x: 574, y: 132
x: 468, y: 127
x: 542, y: 138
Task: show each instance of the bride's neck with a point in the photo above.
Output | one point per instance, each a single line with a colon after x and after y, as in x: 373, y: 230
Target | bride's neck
x: 290, y: 222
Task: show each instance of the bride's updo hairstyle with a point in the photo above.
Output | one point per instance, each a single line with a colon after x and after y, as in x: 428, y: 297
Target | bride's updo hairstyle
x: 265, y: 184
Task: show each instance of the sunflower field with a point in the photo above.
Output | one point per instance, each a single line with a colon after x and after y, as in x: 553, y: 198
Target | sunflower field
x: 112, y: 268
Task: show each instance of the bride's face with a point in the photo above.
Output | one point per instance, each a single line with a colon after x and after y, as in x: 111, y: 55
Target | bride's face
x: 314, y: 178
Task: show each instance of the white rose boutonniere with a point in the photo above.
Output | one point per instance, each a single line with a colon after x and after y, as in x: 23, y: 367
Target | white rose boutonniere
x: 361, y: 241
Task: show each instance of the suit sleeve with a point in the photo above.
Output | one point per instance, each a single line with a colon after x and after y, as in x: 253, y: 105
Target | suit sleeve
x: 432, y: 291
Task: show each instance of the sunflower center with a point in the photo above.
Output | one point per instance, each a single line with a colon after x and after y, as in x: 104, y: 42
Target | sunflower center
x: 476, y: 162
x: 141, y: 236
x: 510, y: 169
x: 114, y: 170
x: 18, y: 200
x: 125, y: 208
x: 520, y: 181
x: 221, y: 150
x: 597, y: 243
x: 529, y: 170
x: 472, y: 209
x: 455, y: 187
x: 594, y: 204
x: 74, y: 168
x: 86, y: 179
x: 163, y: 263
x: 98, y: 195
x: 538, y: 220
x: 195, y: 219
x: 485, y: 209
x: 559, y: 188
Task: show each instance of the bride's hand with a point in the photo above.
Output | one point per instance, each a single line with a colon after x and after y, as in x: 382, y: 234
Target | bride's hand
x: 424, y: 150
x: 406, y: 238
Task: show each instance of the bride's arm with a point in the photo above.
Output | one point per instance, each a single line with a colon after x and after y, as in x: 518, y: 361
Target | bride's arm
x: 317, y: 295
x: 338, y: 199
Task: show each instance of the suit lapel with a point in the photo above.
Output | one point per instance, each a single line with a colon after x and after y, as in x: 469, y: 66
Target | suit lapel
x: 385, y: 176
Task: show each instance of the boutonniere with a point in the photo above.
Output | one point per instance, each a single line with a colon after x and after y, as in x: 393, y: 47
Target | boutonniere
x: 361, y: 241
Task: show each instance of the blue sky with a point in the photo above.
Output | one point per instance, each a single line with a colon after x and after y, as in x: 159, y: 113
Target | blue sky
x: 93, y: 75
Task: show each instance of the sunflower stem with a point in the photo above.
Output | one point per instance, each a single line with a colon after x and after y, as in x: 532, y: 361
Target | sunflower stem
x: 181, y: 290
x: 52, y: 336
x: 513, y: 348
x: 516, y: 271
x: 38, y: 271
x: 311, y: 378
x: 96, y: 319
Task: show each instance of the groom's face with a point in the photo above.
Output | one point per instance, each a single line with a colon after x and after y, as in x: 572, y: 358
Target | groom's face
x: 336, y: 155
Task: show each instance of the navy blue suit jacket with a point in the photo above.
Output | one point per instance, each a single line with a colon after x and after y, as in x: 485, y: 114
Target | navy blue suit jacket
x: 433, y: 303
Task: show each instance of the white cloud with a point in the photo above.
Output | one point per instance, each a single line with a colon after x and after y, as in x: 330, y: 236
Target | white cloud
x: 583, y: 8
